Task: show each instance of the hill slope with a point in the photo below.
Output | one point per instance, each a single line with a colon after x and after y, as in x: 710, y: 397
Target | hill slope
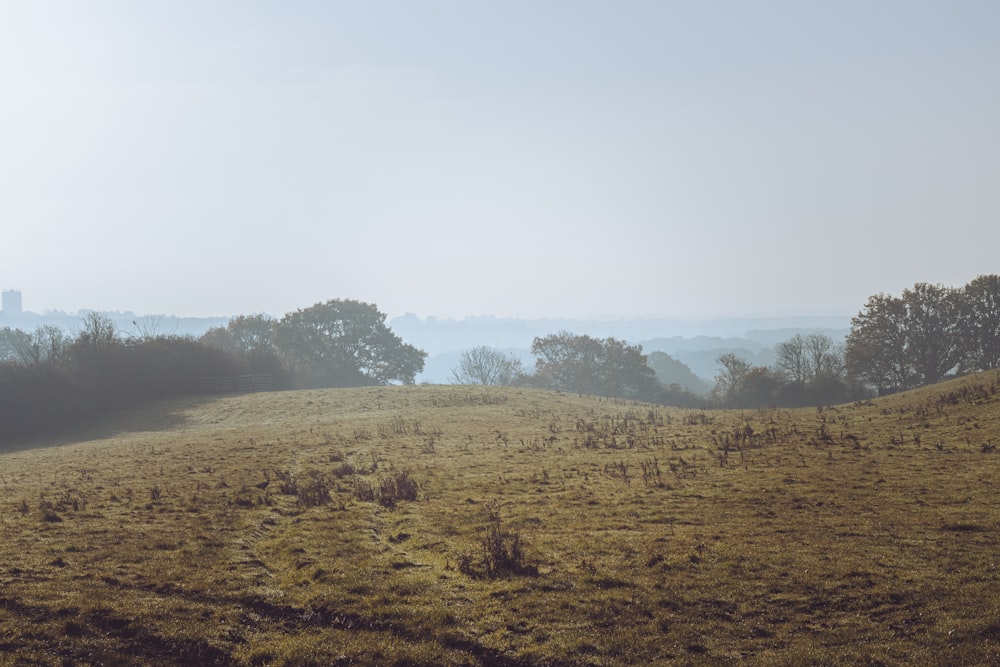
x: 546, y: 529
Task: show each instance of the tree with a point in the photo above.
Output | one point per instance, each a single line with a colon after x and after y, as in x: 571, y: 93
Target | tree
x: 876, y: 352
x: 588, y: 365
x: 979, y: 324
x: 47, y: 344
x: 243, y: 335
x: 897, y: 343
x: 345, y: 343
x: 740, y: 384
x: 100, y: 359
x: 812, y: 370
x: 730, y: 381
x: 792, y: 360
x: 760, y: 388
x: 825, y: 358
x: 487, y: 366
x: 12, y: 341
x: 249, y: 339
x: 932, y: 313
x: 98, y: 331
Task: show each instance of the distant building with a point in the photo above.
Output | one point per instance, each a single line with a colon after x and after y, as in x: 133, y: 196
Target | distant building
x: 12, y: 302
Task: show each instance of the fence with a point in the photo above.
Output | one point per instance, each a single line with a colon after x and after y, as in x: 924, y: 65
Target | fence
x: 236, y: 384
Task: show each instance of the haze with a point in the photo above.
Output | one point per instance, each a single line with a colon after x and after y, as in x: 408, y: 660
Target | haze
x: 519, y: 159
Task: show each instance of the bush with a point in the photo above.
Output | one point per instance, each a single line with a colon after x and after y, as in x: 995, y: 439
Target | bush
x: 98, y: 373
x: 400, y: 486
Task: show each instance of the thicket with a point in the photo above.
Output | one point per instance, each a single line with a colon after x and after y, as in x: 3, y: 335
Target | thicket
x: 99, y: 372
x: 809, y: 371
x: 50, y: 380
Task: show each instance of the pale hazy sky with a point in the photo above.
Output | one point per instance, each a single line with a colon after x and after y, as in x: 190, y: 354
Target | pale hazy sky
x: 515, y: 158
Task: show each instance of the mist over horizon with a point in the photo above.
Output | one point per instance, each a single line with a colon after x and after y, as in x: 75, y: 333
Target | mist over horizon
x: 660, y: 160
x: 694, y: 343
x: 650, y: 325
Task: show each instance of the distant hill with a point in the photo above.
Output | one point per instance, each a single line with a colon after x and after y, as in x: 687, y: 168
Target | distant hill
x: 670, y: 371
x: 436, y: 335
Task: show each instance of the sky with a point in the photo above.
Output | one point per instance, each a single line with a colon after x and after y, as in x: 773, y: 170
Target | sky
x: 525, y: 158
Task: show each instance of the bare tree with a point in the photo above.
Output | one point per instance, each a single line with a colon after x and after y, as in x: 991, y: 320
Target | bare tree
x: 793, y: 360
x: 825, y: 357
x: 98, y: 330
x: 802, y: 360
x: 47, y: 344
x: 487, y: 366
x: 12, y: 342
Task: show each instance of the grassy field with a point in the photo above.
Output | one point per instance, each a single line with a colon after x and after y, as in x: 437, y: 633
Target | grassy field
x: 471, y: 526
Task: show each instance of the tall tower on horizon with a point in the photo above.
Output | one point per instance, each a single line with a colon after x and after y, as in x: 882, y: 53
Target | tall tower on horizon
x: 12, y: 302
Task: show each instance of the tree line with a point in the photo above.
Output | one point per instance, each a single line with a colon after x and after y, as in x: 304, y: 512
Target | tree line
x: 925, y: 335
x: 895, y: 343
x: 809, y: 370
x: 50, y: 380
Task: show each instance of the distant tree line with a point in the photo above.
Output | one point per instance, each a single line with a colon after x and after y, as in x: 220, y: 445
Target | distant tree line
x: 50, y: 380
x: 808, y: 370
x: 575, y: 363
x: 895, y: 343
x: 927, y: 334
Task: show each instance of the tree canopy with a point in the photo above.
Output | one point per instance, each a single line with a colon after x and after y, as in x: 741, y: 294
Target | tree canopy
x: 345, y: 343
x: 243, y: 335
x: 927, y: 333
x: 979, y: 323
x: 586, y: 365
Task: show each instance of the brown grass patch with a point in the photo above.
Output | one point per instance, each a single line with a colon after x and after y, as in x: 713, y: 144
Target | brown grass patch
x: 232, y: 532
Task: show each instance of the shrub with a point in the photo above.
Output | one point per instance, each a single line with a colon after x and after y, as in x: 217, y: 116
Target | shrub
x: 315, y: 492
x: 400, y: 486
x: 502, y: 550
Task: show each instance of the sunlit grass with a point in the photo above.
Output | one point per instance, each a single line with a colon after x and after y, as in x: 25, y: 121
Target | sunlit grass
x: 233, y: 531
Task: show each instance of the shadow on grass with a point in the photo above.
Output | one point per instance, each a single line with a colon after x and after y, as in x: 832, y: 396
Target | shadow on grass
x: 151, y: 417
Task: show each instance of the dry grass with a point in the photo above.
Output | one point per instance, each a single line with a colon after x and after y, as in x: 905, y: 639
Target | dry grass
x: 282, y: 529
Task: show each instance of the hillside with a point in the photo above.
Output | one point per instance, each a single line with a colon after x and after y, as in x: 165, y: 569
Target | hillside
x: 281, y: 528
